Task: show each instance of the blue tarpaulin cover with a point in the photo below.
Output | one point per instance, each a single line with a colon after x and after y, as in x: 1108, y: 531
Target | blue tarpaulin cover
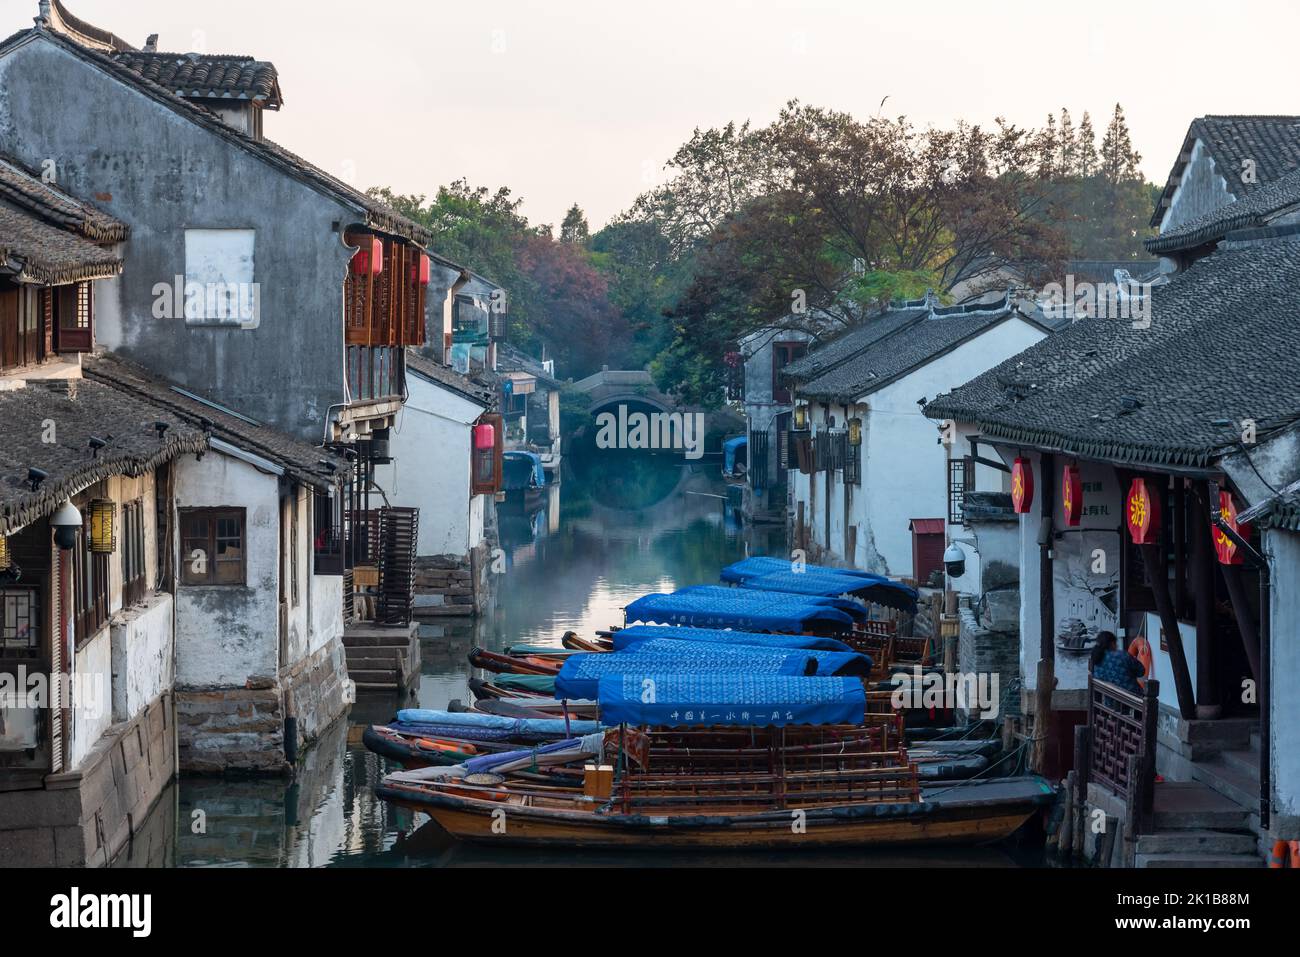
x: 496, y: 722
x: 730, y: 449
x: 764, y: 565
x: 828, y: 662
x: 579, y: 674
x: 638, y: 633
x: 882, y: 591
x: 702, y: 610
x: 760, y: 596
x: 747, y: 700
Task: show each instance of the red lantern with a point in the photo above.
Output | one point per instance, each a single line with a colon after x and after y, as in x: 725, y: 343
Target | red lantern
x: 369, y: 259
x: 420, y: 271
x: 1229, y: 553
x: 484, y: 436
x: 1022, y: 485
x: 1072, y: 496
x: 1142, y: 513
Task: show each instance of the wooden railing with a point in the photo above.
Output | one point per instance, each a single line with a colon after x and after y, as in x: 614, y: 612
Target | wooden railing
x: 1117, y: 747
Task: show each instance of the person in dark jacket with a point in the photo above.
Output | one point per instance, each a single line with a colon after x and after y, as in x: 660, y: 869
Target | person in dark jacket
x: 1108, y: 663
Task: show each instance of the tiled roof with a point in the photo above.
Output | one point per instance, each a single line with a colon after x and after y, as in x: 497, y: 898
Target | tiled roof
x: 910, y: 344
x: 511, y: 359
x: 78, y: 410
x: 856, y: 339
x: 1220, y: 348
x: 471, y: 387
x: 45, y: 254
x: 1272, y: 143
x: 378, y: 216
x: 23, y: 188
x: 217, y: 76
x: 1255, y: 209
x: 303, y: 462
x: 1281, y: 510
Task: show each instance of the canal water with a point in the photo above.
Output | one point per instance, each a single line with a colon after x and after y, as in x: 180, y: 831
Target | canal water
x: 613, y: 529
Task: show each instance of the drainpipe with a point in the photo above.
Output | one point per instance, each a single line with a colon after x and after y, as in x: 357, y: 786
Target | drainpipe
x: 1260, y: 562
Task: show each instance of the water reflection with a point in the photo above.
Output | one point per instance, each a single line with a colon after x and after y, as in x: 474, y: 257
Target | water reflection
x: 610, y: 533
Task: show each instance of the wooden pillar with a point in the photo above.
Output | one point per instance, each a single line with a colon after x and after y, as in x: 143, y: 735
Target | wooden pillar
x: 1153, y: 556
x: 1207, y: 672
x: 1045, y: 681
x: 1046, y: 598
x: 1245, y: 620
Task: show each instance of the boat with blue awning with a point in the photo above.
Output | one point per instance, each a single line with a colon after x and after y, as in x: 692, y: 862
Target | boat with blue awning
x: 720, y: 761
x: 703, y: 606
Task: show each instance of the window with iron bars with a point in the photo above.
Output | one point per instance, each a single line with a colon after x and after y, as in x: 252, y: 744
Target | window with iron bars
x: 961, y: 479
x: 758, y: 474
x: 853, y: 465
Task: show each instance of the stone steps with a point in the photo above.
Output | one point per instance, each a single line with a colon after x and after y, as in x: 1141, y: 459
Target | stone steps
x: 1192, y: 805
x: 1183, y: 842
x: 1235, y: 778
x: 1197, y: 860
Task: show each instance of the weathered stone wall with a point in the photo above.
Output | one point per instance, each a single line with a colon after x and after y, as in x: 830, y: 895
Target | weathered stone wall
x: 232, y: 729
x: 450, y: 585
x: 991, y: 644
x: 88, y: 816
x: 242, y: 729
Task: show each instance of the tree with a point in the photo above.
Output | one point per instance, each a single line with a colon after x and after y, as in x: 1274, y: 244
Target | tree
x: 842, y: 215
x: 1119, y: 161
x: 574, y: 227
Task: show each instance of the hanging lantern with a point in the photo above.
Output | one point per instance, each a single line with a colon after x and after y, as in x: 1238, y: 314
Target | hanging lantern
x: 102, y: 540
x: 1229, y: 553
x: 855, y: 431
x: 1072, y: 496
x: 484, y: 436
x: 801, y: 417
x: 420, y: 270
x: 369, y: 259
x: 1142, y: 513
x: 1022, y: 485
x: 4, y: 553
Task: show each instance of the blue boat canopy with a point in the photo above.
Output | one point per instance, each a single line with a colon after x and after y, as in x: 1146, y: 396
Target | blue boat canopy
x: 881, y: 591
x: 628, y: 637
x: 521, y: 469
x: 699, y: 610
x: 580, y: 673
x: 730, y: 450
x: 746, y: 700
x: 737, y: 572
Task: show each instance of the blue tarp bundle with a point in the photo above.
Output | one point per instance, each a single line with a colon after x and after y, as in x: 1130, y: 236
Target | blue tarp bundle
x: 730, y: 449
x: 638, y: 633
x: 737, y: 609
x: 882, y: 591
x: 489, y: 762
x: 761, y: 565
x: 746, y: 700
x: 496, y: 722
x: 579, y: 675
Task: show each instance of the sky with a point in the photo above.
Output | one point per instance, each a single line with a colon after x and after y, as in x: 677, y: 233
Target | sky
x: 568, y: 101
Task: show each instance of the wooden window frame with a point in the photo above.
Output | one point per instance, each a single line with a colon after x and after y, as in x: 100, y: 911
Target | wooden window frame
x: 961, y: 479
x: 479, y: 484
x: 787, y: 348
x: 135, y: 574
x: 35, y: 622
x: 89, y: 587
x: 188, y: 577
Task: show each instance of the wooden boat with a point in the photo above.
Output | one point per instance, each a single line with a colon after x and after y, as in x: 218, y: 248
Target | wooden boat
x: 967, y: 812
x: 500, y: 663
x: 574, y: 642
x: 822, y: 773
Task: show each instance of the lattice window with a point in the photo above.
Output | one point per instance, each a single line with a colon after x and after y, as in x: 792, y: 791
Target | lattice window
x: 961, y: 479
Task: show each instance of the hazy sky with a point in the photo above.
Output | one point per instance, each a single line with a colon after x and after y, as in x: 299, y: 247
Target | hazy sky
x: 577, y: 100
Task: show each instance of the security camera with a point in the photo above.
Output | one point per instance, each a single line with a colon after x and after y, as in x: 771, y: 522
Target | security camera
x: 954, y: 561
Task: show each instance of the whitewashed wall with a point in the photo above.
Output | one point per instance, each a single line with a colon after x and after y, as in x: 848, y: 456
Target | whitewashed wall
x: 1283, y: 549
x: 431, y: 468
x: 92, y: 696
x: 225, y: 633
x: 141, y: 655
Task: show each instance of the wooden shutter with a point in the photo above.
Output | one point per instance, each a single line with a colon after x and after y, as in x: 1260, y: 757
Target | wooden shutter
x: 398, y: 530
x: 489, y: 483
x: 58, y: 636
